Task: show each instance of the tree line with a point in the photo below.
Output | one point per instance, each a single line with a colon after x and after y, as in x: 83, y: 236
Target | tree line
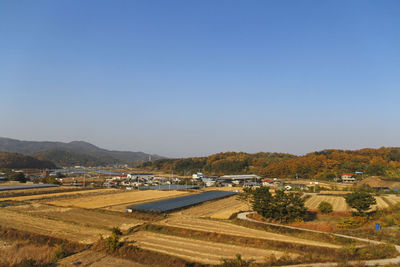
x: 325, y: 164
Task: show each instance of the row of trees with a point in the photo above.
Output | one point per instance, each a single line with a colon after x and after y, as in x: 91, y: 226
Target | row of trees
x: 325, y: 164
x: 290, y: 207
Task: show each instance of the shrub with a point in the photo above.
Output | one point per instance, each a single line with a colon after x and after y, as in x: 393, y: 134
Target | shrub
x: 325, y: 207
x: 360, y: 200
x: 236, y: 262
x: 351, y: 223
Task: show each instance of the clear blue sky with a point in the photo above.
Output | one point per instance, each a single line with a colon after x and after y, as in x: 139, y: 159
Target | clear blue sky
x: 187, y: 78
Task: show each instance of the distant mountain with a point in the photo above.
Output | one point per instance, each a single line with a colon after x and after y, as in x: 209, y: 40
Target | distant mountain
x: 74, y: 153
x: 15, y: 160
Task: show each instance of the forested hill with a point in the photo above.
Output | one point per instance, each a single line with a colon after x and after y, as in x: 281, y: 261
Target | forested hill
x: 325, y: 164
x: 14, y: 161
x: 73, y: 153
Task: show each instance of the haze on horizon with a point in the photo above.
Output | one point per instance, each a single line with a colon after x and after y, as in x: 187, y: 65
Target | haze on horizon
x: 192, y: 78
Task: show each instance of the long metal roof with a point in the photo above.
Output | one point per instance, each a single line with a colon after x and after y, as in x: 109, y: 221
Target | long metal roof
x: 180, y: 202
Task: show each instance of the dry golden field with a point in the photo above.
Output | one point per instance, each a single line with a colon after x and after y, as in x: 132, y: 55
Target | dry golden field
x: 60, y: 229
x: 393, y: 199
x: 57, y: 194
x: 235, y: 230
x: 380, y: 203
x: 35, y: 191
x: 124, y: 198
x: 197, y: 250
x: 77, y: 216
x: 338, y: 203
x: 218, y: 209
x: 96, y: 259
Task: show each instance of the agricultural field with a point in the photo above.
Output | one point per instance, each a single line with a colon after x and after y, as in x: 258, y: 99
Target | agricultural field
x: 120, y: 200
x: 44, y: 226
x: 77, y: 216
x: 380, y: 203
x: 35, y: 191
x: 199, y: 251
x: 62, y: 194
x: 96, y: 259
x: 218, y: 209
x: 235, y: 230
x: 393, y: 199
x: 338, y: 203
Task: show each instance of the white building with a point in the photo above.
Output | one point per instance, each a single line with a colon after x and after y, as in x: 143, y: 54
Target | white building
x: 348, y: 178
x: 240, y: 177
x: 198, y: 175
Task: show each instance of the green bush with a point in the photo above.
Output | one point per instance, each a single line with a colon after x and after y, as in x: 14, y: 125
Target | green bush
x: 325, y: 207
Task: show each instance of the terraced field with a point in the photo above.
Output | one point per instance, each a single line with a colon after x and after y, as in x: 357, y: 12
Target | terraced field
x: 96, y: 259
x: 218, y: 209
x: 117, y: 199
x: 236, y: 230
x: 380, y: 203
x: 77, y: 216
x: 56, y: 194
x: 393, y: 199
x: 60, y: 229
x: 338, y: 203
x: 199, y: 251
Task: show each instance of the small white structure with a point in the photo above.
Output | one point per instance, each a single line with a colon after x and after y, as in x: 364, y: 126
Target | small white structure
x: 348, y: 178
x: 240, y: 177
x: 198, y: 175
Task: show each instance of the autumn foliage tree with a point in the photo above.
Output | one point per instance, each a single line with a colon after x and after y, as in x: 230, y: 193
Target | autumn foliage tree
x: 280, y: 207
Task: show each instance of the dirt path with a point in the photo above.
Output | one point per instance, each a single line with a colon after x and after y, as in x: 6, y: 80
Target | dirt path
x: 243, y: 216
x: 236, y: 230
x: 197, y: 250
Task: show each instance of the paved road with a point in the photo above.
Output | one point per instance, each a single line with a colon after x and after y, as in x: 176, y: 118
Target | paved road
x: 243, y: 216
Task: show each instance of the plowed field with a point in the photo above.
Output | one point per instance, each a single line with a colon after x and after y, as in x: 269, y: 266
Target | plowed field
x: 236, y: 230
x: 197, y: 250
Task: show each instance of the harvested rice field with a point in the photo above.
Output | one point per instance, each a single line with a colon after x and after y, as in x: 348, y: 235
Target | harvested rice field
x: 63, y: 194
x: 124, y: 199
x: 218, y: 209
x: 77, y: 216
x: 393, y: 199
x: 338, y: 203
x: 380, y: 203
x: 96, y: 259
x: 236, y: 230
x: 200, y: 251
x: 60, y: 229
